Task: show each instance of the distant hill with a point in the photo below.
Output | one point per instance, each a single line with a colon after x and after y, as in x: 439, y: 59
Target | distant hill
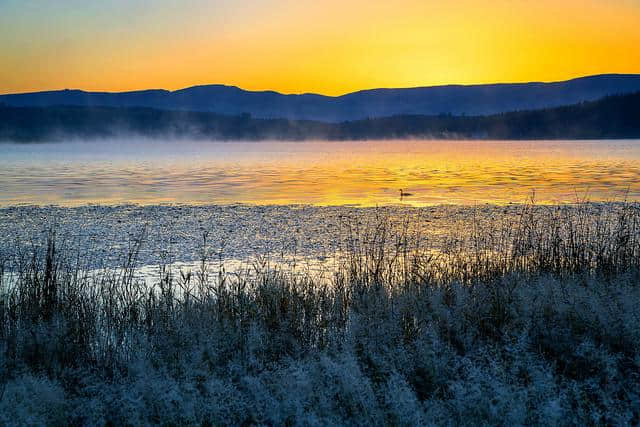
x: 616, y: 116
x: 453, y: 99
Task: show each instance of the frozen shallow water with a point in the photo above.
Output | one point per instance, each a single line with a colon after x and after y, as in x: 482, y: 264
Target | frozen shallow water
x: 104, y: 234
x: 236, y: 236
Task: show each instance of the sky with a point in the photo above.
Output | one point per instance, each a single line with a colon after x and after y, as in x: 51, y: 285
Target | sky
x: 296, y: 46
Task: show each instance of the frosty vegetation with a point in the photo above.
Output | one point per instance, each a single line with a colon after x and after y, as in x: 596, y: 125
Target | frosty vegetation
x: 528, y: 321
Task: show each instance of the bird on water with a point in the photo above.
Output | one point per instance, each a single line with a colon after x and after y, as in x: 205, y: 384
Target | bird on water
x: 403, y: 194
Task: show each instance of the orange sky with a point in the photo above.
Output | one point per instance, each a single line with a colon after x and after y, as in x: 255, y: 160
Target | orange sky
x: 329, y: 46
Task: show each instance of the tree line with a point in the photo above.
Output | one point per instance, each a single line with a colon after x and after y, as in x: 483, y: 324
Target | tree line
x: 616, y: 116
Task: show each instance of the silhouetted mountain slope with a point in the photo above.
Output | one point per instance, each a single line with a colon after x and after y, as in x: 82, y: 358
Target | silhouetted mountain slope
x: 611, y: 117
x: 456, y: 100
x: 616, y: 116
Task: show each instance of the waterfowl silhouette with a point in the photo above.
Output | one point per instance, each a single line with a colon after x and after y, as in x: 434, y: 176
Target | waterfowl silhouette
x: 403, y: 194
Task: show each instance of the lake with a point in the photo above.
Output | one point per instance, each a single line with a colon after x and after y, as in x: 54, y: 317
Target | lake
x: 363, y: 173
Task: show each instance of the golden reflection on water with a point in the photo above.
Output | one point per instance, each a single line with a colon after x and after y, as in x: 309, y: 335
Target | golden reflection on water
x: 321, y: 173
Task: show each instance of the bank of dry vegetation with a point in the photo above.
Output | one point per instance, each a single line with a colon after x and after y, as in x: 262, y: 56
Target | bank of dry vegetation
x: 528, y: 321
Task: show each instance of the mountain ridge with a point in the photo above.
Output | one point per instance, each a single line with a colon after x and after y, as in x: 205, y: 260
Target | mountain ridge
x: 475, y: 99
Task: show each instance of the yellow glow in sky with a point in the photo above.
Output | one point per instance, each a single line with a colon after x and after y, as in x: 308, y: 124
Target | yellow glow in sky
x: 330, y: 47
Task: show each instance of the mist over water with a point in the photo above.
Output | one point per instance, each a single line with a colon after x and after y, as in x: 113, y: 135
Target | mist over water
x: 322, y: 173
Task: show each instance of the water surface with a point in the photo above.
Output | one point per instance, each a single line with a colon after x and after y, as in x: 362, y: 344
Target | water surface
x: 364, y: 173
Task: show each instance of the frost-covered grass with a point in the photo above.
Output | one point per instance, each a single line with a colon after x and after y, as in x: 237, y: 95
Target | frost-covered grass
x: 532, y: 320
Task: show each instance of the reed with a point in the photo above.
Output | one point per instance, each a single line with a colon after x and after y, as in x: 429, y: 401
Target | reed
x: 531, y: 319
